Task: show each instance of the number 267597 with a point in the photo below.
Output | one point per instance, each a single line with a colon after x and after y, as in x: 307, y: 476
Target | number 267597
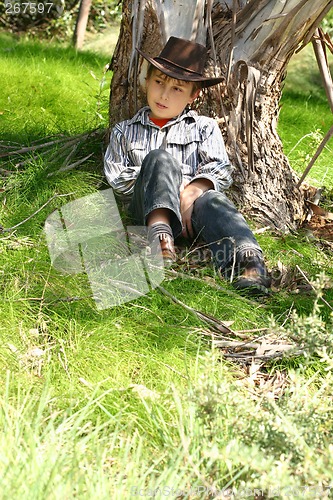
x: 28, y: 8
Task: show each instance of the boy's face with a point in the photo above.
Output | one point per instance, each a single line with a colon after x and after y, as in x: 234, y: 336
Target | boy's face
x: 167, y: 97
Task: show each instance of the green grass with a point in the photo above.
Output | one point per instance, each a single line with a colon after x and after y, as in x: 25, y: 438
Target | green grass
x: 119, y: 402
x: 305, y: 118
x: 45, y: 83
x: 102, y: 43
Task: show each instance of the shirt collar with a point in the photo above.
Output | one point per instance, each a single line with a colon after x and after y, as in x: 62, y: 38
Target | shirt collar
x: 143, y: 116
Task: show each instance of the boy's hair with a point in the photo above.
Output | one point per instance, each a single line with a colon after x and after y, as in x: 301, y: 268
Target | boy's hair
x: 151, y: 69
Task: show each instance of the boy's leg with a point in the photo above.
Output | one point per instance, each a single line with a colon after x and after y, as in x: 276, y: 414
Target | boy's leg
x: 234, y: 248
x: 157, y: 186
x: 155, y: 201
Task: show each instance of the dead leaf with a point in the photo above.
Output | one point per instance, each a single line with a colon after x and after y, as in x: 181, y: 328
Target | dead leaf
x: 317, y: 210
x: 144, y: 392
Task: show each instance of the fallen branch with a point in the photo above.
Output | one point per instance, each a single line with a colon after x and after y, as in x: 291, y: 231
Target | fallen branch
x: 318, y: 43
x: 28, y: 149
x: 67, y: 140
x: 247, y: 358
x: 214, y: 323
x: 315, y: 156
x: 71, y: 166
x: 235, y: 343
x: 263, y: 348
x: 253, y: 330
x: 257, y: 349
x: 63, y: 150
x: 10, y: 229
x: 177, y: 274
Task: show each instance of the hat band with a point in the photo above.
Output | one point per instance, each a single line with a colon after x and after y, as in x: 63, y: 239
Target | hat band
x: 175, y: 66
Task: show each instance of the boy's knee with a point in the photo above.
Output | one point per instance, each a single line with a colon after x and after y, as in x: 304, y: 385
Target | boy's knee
x: 210, y: 199
x: 159, y: 157
x: 216, y: 200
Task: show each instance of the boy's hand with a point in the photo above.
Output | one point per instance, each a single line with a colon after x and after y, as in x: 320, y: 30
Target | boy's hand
x: 187, y: 197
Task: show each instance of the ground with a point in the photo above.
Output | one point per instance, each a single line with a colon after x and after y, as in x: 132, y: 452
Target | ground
x: 103, y: 43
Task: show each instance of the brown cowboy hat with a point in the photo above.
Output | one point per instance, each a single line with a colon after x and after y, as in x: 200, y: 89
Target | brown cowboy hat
x: 183, y: 60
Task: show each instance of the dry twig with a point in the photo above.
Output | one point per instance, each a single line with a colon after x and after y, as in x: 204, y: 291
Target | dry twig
x: 65, y: 141
x: 10, y: 229
x: 265, y: 347
x: 65, y: 168
x: 214, y: 323
x: 313, y: 288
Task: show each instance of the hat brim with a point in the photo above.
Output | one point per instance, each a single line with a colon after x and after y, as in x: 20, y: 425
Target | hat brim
x: 178, y: 73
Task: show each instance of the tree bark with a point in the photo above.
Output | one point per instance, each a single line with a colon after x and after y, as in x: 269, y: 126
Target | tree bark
x: 250, y: 43
x: 81, y: 23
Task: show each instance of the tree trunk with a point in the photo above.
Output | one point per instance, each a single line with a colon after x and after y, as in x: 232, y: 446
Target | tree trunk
x: 81, y: 23
x: 250, y: 43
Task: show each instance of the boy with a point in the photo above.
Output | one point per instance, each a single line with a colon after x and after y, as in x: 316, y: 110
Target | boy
x: 172, y: 165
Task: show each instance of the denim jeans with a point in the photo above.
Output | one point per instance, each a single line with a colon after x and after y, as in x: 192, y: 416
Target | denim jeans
x: 215, y: 219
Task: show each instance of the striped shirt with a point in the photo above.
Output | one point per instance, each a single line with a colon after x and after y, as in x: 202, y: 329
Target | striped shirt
x: 194, y: 141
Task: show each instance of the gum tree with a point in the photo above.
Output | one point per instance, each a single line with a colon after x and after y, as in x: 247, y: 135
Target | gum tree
x: 250, y: 43
x: 81, y: 23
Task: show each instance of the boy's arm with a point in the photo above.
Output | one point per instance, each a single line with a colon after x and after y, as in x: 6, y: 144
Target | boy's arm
x: 120, y: 175
x: 214, y: 161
